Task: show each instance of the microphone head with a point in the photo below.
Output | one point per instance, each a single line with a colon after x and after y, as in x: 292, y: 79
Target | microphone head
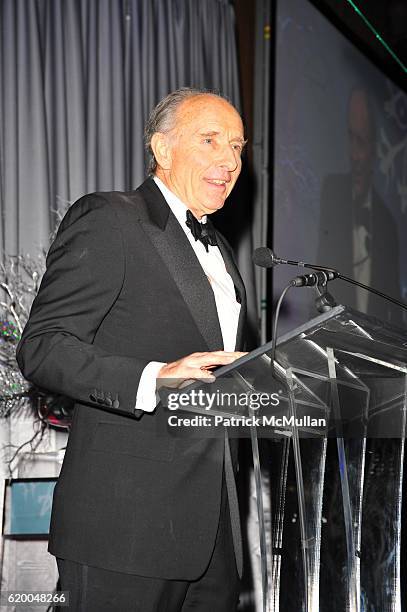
x: 265, y: 258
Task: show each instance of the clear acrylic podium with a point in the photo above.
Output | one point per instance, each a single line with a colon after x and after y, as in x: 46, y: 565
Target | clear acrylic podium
x: 331, y: 440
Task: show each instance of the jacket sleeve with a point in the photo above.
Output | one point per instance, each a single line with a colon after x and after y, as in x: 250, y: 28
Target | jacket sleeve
x: 83, y: 279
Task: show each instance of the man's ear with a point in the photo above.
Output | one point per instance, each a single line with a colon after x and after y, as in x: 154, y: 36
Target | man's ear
x: 160, y: 144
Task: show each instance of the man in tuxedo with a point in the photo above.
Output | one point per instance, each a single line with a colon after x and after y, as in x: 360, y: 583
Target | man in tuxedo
x: 140, y: 291
x: 358, y: 234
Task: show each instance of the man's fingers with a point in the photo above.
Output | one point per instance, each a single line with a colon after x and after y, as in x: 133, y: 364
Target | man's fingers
x: 214, y: 358
x: 196, y: 366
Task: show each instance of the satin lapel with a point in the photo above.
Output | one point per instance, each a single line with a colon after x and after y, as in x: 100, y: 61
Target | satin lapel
x: 239, y: 285
x: 178, y: 256
x: 344, y: 229
x: 378, y: 243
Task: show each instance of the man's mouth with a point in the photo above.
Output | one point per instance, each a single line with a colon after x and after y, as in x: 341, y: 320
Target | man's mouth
x: 217, y: 182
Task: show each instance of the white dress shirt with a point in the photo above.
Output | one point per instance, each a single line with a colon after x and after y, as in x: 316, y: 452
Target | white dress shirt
x: 223, y: 289
x: 362, y: 258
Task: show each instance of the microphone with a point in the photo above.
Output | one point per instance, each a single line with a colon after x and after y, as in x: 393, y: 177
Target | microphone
x: 265, y: 258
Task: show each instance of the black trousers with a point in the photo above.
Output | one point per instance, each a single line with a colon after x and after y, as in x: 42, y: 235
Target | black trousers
x: 93, y: 589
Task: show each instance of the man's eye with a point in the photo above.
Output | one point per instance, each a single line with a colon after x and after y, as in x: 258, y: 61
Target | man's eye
x: 207, y: 140
x: 237, y: 147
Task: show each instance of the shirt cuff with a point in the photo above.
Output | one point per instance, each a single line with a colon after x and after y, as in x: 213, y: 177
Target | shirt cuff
x: 147, y: 398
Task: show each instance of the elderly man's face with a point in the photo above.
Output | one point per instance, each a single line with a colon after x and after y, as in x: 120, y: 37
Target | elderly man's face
x: 361, y: 145
x: 204, y: 153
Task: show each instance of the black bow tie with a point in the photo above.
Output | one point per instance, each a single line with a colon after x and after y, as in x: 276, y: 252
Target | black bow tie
x: 205, y: 232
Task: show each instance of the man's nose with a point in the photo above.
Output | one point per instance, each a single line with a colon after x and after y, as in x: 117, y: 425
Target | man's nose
x: 229, y: 158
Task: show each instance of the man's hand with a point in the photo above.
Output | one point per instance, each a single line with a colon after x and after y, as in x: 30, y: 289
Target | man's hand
x: 196, y: 366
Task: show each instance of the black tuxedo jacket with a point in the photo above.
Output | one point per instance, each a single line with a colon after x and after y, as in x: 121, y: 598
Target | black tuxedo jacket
x: 335, y: 247
x: 123, y: 287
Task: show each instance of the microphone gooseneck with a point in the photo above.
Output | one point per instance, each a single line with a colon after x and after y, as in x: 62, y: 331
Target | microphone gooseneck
x: 264, y: 257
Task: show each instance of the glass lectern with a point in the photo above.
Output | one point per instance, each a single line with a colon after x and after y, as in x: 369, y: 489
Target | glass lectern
x: 330, y: 415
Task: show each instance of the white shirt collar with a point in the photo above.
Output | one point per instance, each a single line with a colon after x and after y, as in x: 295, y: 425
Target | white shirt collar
x: 177, y: 206
x: 367, y: 202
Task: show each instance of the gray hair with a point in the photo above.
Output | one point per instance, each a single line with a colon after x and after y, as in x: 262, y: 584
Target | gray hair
x: 163, y: 117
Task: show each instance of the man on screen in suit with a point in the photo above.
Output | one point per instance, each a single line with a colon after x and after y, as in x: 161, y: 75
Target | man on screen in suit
x: 143, y: 520
x: 358, y: 234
